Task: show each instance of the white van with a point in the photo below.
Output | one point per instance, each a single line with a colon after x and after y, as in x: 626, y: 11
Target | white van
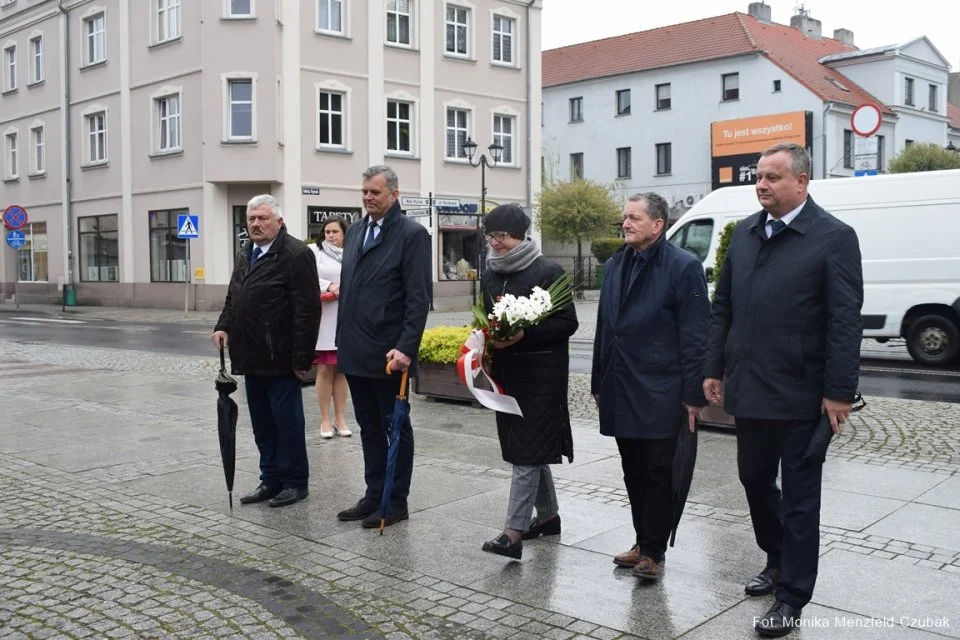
x: 909, y: 230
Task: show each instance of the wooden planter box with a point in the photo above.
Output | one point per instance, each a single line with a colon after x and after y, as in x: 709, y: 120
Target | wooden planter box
x: 441, y: 381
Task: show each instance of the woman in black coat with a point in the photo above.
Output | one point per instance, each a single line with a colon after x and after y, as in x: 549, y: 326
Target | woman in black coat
x: 533, y: 367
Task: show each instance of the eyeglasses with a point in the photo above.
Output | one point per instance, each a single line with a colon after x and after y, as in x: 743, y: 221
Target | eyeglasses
x: 499, y: 236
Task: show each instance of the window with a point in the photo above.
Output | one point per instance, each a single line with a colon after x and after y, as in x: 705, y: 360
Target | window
x: 168, y: 20
x: 776, y: 86
x: 847, y: 149
x: 731, y: 86
x: 398, y: 21
x: 907, y: 143
x: 99, y: 248
x: 457, y: 25
x: 623, y: 162
x: 398, y: 126
x: 10, y: 68
x: 168, y: 253
x: 576, y: 166
x: 503, y: 129
x: 932, y: 98
x: 240, y: 234
x: 168, y: 123
x: 503, y: 30
x: 32, y: 256
x: 95, y: 29
x: 330, y: 16
x: 695, y: 238
x: 664, y: 160
x: 11, y: 156
x: 38, y: 151
x: 623, y: 102
x: 96, y: 137
x: 908, y: 92
x: 576, y: 109
x: 36, y: 60
x: 880, y: 155
x: 330, y: 119
x: 458, y: 121
x: 240, y: 8
x: 663, y: 96
x: 240, y: 95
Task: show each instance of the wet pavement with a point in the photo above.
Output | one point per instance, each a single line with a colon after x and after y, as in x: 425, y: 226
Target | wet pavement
x: 114, y: 523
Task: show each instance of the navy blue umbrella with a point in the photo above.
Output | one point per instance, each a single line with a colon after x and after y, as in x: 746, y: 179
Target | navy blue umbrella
x: 399, y: 415
x: 684, y: 460
x: 227, y: 424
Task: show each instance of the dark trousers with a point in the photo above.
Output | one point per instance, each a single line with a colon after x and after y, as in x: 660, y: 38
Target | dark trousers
x: 373, y: 402
x: 648, y: 475
x: 787, y: 524
x: 276, y: 411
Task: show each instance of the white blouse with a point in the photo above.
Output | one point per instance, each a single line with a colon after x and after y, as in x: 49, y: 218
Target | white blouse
x: 329, y: 272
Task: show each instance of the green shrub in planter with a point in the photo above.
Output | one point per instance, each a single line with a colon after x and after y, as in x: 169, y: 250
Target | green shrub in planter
x: 603, y: 248
x: 441, y: 345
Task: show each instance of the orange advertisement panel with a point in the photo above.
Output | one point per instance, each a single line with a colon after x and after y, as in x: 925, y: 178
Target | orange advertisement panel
x: 755, y: 135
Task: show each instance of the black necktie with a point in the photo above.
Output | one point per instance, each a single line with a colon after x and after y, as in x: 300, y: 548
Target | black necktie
x: 369, y: 239
x: 255, y: 254
x: 776, y: 226
x: 629, y: 264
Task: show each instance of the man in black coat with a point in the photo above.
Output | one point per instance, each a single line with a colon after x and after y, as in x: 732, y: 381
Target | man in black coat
x: 385, y: 286
x: 270, y: 322
x: 784, y: 349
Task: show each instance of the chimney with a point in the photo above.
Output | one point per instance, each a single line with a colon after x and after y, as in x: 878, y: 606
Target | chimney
x: 807, y: 25
x: 844, y: 35
x: 761, y: 11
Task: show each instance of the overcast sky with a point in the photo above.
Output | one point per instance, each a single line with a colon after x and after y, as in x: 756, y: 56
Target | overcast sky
x: 570, y: 21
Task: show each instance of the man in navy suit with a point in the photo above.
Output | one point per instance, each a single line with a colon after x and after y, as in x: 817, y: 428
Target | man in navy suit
x: 783, y: 349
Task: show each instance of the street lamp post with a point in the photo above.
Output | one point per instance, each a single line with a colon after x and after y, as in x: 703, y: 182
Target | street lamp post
x: 496, y: 150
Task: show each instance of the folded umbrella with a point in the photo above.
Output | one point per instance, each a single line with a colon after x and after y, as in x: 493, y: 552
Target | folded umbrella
x: 684, y: 460
x: 227, y: 424
x: 823, y: 434
x: 399, y: 415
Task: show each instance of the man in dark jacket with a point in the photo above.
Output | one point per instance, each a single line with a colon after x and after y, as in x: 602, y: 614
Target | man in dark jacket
x: 647, y: 357
x: 384, y: 301
x: 270, y: 321
x: 784, y: 349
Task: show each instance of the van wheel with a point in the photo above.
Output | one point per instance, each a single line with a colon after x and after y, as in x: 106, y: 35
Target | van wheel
x: 933, y: 340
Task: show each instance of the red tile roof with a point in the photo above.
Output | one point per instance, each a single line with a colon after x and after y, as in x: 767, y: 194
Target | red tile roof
x: 953, y: 113
x: 709, y: 39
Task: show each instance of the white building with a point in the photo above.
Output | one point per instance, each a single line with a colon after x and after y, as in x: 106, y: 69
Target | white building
x: 117, y: 116
x: 685, y: 109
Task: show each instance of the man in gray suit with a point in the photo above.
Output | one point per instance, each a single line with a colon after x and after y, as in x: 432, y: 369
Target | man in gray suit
x: 784, y: 349
x: 385, y: 286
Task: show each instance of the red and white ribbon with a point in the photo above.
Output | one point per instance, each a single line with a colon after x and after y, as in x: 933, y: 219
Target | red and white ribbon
x: 470, y: 366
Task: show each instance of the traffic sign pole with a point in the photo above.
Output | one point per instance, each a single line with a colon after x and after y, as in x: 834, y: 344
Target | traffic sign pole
x: 186, y: 286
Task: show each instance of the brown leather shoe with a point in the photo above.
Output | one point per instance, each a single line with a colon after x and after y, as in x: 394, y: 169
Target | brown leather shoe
x: 629, y: 558
x: 648, y: 568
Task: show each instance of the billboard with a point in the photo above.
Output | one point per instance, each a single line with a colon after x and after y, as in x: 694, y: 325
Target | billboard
x: 736, y: 145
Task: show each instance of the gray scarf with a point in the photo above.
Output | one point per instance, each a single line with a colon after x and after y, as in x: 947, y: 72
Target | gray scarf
x: 517, y: 259
x: 333, y: 251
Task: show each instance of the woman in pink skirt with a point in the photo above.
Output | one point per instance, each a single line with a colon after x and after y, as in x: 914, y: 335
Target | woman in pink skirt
x: 330, y: 383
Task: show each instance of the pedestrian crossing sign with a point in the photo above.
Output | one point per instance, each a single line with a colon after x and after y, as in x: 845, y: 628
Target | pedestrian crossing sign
x: 188, y: 226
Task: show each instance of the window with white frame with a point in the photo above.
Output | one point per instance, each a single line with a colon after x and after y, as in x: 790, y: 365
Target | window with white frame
x: 240, y: 109
x: 458, y: 28
x: 96, y: 137
x: 169, y: 134
x: 168, y: 20
x: 11, y: 156
x: 38, y: 150
x: 330, y: 119
x: 95, y: 39
x: 503, y: 130
x: 330, y: 16
x: 10, y: 68
x: 36, y: 60
x: 398, y: 126
x: 458, y: 121
x: 503, y: 30
x: 398, y: 22
x: 240, y: 8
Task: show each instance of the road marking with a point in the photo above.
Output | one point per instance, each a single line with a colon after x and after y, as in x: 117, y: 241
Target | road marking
x: 52, y: 320
x: 205, y: 333
x: 922, y: 372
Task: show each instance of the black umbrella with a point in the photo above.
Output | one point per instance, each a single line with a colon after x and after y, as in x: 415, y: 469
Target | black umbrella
x: 684, y: 460
x: 823, y: 434
x: 399, y: 415
x: 227, y: 424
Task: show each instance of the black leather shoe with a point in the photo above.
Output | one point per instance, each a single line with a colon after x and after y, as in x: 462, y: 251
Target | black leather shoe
x: 502, y: 546
x: 364, y: 507
x: 764, y: 584
x: 780, y: 620
x: 550, y: 527
x: 372, y: 521
x: 289, y: 496
x: 261, y: 493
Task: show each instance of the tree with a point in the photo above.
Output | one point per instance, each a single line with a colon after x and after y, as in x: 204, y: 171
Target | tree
x: 923, y: 157
x: 577, y: 211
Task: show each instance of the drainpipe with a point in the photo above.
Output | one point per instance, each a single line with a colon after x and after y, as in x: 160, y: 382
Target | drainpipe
x: 823, y: 131
x: 65, y: 159
x: 530, y: 166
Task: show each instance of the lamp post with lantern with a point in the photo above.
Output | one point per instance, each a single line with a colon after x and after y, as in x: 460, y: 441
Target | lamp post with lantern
x: 496, y: 151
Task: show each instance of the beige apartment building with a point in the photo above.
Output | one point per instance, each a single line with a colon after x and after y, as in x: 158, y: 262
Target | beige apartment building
x: 117, y: 116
